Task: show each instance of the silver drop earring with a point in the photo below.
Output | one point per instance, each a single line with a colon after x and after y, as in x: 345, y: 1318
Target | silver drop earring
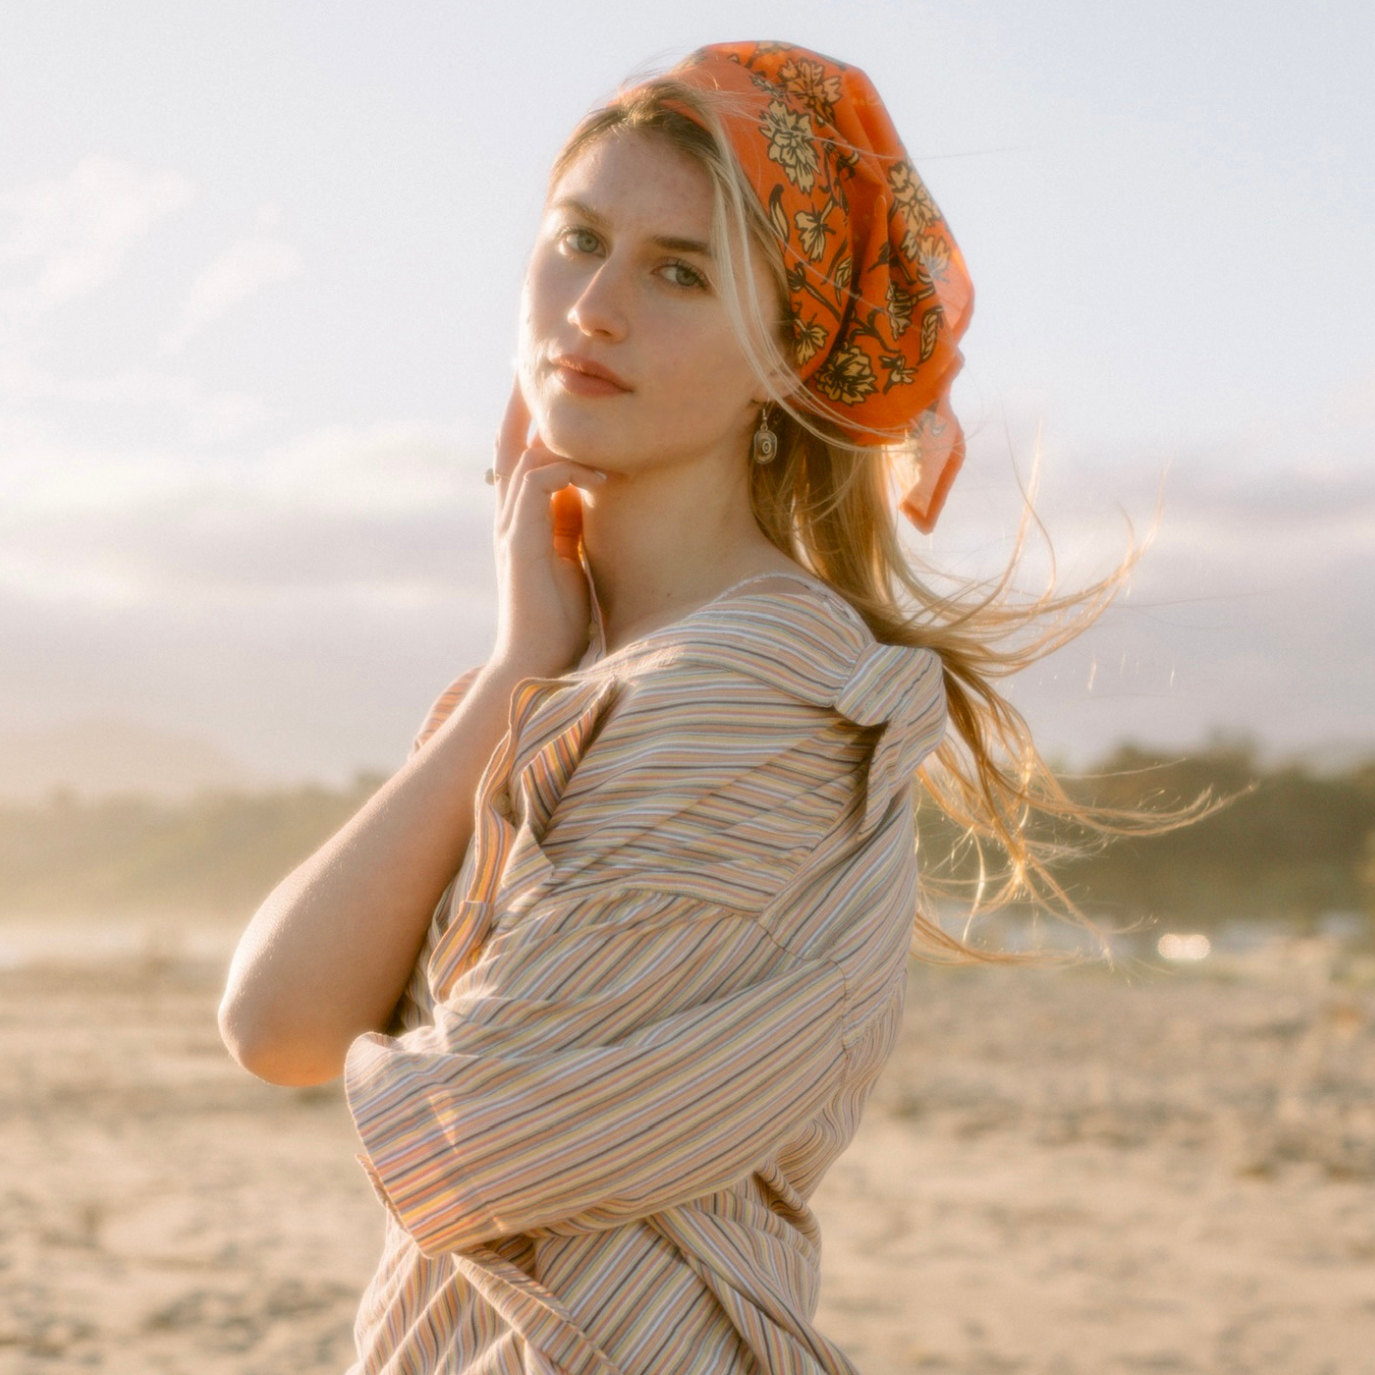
x: 765, y: 441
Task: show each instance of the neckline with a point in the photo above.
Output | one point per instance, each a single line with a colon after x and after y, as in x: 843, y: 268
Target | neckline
x: 598, y: 640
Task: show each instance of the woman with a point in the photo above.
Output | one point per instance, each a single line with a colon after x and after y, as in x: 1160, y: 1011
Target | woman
x: 611, y: 965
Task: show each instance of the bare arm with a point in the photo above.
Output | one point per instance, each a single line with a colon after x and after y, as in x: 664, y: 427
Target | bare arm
x: 327, y: 955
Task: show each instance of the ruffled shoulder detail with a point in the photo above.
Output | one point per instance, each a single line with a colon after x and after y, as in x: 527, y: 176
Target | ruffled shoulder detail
x: 902, y: 689
x: 806, y: 643
x: 812, y: 645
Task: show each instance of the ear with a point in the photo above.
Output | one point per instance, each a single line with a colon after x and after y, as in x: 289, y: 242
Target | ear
x: 785, y: 382
x: 780, y: 379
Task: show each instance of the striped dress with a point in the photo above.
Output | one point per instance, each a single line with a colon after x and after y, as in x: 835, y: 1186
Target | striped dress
x: 651, y: 1004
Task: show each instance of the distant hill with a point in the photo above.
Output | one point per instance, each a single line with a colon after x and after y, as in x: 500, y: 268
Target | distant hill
x: 1293, y: 845
x: 216, y: 854
x: 93, y: 759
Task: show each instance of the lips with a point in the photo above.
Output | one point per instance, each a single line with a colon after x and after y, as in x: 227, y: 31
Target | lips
x: 581, y: 374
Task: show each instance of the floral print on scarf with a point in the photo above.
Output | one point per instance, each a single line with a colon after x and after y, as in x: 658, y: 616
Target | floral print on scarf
x: 879, y: 293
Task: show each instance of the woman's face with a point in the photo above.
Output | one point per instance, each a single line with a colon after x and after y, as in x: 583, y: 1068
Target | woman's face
x: 628, y: 359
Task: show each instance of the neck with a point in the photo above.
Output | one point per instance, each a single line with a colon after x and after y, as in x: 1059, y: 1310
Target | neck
x: 663, y: 541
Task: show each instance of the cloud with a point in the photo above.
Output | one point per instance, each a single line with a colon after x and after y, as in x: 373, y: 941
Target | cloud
x: 354, y: 566
x: 385, y: 513
x: 241, y: 271
x: 210, y: 417
x: 1249, y: 610
x: 61, y: 239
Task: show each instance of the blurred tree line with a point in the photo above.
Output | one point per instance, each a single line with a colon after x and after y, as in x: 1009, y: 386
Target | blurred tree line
x: 1286, y: 844
x: 1291, y: 845
x: 218, y: 854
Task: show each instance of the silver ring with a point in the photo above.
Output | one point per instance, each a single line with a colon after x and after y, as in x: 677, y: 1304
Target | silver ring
x: 491, y: 477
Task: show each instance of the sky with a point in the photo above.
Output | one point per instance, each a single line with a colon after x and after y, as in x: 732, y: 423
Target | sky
x: 259, y: 269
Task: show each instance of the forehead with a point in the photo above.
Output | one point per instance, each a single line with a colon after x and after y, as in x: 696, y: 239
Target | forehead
x: 634, y: 178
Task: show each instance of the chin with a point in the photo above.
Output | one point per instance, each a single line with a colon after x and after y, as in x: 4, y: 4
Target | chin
x: 583, y: 438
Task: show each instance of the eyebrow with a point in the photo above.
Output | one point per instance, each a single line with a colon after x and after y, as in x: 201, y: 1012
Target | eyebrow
x: 668, y: 241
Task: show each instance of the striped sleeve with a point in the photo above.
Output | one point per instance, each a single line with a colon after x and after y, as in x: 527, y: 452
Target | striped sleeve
x: 515, y: 1115
x: 632, y: 1041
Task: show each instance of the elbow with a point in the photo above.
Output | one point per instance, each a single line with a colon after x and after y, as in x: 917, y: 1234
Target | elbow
x: 273, y: 1050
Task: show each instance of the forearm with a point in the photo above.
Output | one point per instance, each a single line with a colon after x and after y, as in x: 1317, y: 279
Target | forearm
x: 327, y: 955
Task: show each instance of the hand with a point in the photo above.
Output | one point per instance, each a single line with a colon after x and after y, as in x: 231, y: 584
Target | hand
x: 544, y: 603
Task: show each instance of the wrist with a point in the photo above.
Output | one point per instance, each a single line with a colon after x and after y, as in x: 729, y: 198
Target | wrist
x: 504, y: 670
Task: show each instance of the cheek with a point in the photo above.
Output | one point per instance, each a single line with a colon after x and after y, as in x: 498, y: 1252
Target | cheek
x: 536, y: 302
x: 532, y: 293
x: 708, y: 369
x: 541, y: 294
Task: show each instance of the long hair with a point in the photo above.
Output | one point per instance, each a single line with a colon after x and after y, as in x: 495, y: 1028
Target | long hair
x: 827, y: 503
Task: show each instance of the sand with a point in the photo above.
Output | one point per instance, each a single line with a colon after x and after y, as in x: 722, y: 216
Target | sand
x: 1060, y: 1173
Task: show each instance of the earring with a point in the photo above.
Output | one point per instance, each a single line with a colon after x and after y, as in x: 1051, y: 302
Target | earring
x: 765, y: 441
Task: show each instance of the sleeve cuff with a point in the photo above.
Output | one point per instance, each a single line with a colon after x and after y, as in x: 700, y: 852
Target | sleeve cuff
x: 406, y: 1154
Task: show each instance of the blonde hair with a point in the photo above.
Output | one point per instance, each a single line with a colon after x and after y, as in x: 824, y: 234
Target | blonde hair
x: 827, y: 503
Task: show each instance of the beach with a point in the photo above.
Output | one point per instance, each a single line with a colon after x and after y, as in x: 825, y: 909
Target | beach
x: 1062, y: 1172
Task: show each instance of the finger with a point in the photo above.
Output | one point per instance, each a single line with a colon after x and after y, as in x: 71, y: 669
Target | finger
x: 511, y: 444
x: 529, y: 505
x: 541, y: 470
x: 536, y: 479
x: 565, y: 513
x: 514, y: 435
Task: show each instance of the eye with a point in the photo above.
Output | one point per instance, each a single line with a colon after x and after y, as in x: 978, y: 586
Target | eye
x: 683, y: 275
x: 579, y: 240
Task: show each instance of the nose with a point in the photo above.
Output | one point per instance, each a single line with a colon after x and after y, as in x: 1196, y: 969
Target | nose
x: 600, y: 311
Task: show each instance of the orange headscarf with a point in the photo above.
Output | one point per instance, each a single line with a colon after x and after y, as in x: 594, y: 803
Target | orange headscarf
x: 878, y: 290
